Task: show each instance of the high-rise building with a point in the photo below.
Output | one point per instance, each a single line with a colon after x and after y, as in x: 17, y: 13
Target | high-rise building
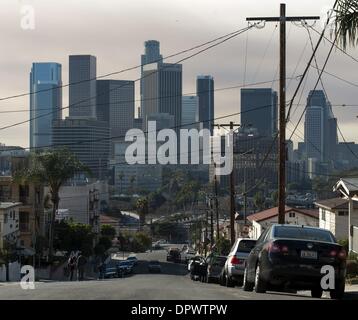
x: 82, y: 89
x: 152, y: 52
x: 162, y: 91
x: 259, y: 110
x: 320, y: 128
x: 86, y: 138
x: 190, y: 112
x: 45, y: 102
x: 205, y: 93
x: 115, y: 105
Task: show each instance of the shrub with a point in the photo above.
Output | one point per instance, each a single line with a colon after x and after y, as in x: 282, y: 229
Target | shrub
x: 352, y: 268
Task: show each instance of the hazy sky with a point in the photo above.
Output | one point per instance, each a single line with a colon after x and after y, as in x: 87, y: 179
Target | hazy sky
x: 115, y: 30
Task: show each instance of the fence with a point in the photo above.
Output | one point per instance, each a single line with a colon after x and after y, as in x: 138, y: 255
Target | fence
x: 355, y: 239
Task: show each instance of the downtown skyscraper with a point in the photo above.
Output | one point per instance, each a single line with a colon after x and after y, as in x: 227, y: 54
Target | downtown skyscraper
x: 161, y: 87
x: 45, y: 102
x: 82, y: 89
x: 259, y: 110
x: 320, y: 128
x: 205, y: 93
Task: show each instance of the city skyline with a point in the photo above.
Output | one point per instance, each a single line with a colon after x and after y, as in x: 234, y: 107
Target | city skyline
x: 227, y: 71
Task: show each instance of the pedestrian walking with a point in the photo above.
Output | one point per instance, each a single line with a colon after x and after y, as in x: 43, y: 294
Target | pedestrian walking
x: 81, y: 264
x: 71, y: 265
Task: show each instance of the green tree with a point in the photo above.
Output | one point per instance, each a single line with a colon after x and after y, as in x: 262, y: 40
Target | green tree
x: 52, y: 168
x: 108, y: 231
x: 274, y: 197
x: 73, y: 237
x: 259, y: 200
x: 346, y: 22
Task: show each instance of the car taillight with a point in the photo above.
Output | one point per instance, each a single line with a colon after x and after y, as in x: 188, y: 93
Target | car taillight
x: 276, y: 248
x: 235, y: 260
x: 342, y: 254
x: 339, y: 254
x: 333, y: 253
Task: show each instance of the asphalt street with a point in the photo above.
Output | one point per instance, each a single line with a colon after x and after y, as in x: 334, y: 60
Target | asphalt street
x: 173, y: 283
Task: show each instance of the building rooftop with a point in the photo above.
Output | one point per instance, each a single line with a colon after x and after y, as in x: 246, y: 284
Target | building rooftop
x: 7, y: 205
x: 334, y: 203
x: 269, y: 213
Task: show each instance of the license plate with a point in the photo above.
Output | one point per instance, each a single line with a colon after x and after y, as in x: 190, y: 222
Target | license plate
x: 309, y: 254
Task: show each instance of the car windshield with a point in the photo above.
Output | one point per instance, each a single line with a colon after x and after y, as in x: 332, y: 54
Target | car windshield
x: 246, y: 245
x: 303, y: 234
x: 131, y: 258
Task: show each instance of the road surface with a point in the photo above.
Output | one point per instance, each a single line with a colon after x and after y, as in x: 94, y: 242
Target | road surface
x: 172, y: 284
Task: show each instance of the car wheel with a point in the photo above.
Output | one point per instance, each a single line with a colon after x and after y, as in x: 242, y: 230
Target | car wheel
x: 316, y: 293
x: 221, y: 280
x: 260, y: 284
x: 228, y: 281
x: 338, y: 293
x: 247, y: 285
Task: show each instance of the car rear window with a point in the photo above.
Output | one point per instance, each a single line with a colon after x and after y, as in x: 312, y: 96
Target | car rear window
x: 303, y: 233
x: 246, y: 245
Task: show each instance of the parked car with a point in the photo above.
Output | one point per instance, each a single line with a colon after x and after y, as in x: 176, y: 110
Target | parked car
x: 111, y: 269
x: 215, y: 265
x: 233, y: 271
x: 126, y: 267
x: 133, y: 259
x: 154, y: 266
x: 174, y: 255
x: 289, y: 256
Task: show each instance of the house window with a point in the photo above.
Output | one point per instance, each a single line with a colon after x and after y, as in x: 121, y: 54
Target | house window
x: 292, y: 215
x: 5, y: 218
x: 323, y: 215
x: 343, y: 213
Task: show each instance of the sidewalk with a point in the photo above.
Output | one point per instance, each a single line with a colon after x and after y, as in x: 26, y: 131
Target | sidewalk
x: 351, y: 288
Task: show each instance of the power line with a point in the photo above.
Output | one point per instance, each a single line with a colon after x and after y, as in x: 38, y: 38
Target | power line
x: 145, y: 132
x: 136, y: 80
x: 318, y: 80
x: 158, y: 98
x: 123, y: 70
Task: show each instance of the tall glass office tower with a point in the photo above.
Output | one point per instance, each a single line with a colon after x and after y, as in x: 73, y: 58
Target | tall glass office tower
x: 45, y: 102
x: 205, y: 92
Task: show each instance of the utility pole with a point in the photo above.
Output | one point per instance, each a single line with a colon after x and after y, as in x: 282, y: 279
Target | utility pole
x: 282, y: 19
x: 217, y: 208
x: 231, y: 126
x: 211, y: 223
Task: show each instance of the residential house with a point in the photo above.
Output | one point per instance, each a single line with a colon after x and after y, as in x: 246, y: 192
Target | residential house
x: 9, y: 225
x: 31, y: 211
x: 348, y: 188
x: 333, y: 216
x: 264, y: 219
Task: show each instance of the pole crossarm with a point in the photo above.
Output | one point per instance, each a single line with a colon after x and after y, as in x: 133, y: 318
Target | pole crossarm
x: 278, y: 19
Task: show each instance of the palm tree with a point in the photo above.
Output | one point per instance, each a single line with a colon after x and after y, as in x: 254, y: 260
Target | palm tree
x: 131, y: 181
x: 142, y: 208
x: 121, y: 177
x: 346, y: 22
x: 52, y: 168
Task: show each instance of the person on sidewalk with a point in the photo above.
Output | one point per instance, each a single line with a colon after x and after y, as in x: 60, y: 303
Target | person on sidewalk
x: 81, y: 264
x: 71, y: 265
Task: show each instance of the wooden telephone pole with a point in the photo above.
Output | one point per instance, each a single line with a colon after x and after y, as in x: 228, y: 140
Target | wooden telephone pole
x: 282, y: 19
